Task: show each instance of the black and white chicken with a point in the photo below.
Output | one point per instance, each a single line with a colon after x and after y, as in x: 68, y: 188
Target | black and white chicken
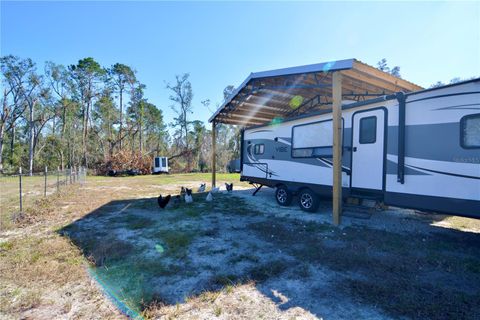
x: 188, y: 195
x: 163, y: 201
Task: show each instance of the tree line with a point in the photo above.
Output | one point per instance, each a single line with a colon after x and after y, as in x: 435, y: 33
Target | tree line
x: 87, y: 115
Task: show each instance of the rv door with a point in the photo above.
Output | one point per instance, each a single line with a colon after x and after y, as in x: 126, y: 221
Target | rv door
x: 368, y: 149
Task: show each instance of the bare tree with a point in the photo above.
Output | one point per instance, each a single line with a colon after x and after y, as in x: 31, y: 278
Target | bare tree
x: 182, y: 96
x: 23, y: 79
x: 121, y: 75
x: 87, y: 73
x: 9, y: 113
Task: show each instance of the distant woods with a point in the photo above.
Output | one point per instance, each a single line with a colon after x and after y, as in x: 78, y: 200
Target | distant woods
x: 88, y: 115
x: 382, y: 65
x: 395, y: 71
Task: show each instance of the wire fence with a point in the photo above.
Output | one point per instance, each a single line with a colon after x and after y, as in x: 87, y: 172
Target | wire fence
x: 21, y: 190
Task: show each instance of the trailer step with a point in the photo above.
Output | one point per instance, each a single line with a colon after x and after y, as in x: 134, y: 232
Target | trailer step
x: 257, y: 187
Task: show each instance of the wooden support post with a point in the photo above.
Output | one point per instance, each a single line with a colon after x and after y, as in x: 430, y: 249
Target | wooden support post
x: 20, y: 188
x: 214, y: 153
x: 58, y: 178
x: 337, y: 146
x: 45, y: 185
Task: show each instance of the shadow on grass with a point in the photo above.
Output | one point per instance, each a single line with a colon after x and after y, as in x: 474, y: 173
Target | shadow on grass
x: 141, y: 255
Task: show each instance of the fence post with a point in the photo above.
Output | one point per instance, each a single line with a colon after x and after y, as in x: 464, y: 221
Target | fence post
x: 20, y: 187
x: 70, y: 174
x: 45, y: 184
x: 58, y: 178
x: 78, y: 174
x: 66, y: 177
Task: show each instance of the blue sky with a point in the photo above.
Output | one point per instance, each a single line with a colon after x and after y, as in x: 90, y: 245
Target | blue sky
x: 221, y: 43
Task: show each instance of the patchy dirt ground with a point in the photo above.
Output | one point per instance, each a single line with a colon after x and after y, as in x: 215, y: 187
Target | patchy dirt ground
x: 238, y: 257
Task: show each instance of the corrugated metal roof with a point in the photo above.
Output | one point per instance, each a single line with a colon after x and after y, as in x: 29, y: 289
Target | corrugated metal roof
x: 306, y: 83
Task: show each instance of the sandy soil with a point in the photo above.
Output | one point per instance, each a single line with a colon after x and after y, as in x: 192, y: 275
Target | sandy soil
x: 239, y: 257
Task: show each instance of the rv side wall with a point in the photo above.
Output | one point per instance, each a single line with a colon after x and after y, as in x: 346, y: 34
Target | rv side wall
x: 440, y: 174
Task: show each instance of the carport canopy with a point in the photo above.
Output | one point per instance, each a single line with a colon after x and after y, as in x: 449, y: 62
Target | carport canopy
x: 276, y: 94
x: 271, y: 96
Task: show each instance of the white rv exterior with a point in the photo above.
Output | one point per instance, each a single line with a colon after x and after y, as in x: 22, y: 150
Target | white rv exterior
x: 419, y: 150
x: 160, y: 165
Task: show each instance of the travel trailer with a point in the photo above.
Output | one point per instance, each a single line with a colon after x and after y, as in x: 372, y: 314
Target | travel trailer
x: 160, y: 165
x: 419, y: 150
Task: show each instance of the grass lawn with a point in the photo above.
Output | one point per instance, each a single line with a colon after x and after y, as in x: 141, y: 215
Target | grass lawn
x: 32, y: 190
x: 238, y: 257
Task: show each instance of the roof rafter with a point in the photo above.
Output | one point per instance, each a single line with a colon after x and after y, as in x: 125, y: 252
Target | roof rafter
x: 265, y: 95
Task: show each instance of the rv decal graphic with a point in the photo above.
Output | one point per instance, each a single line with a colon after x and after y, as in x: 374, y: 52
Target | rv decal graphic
x: 287, y: 141
x: 445, y: 173
x: 461, y: 107
x: 262, y: 131
x: 330, y: 164
x: 392, y: 169
x: 255, y: 163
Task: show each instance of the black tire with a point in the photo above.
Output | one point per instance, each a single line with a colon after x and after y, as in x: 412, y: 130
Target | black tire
x: 308, y: 200
x: 283, y: 196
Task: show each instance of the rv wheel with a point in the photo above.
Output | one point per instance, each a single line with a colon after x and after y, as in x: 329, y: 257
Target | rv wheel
x: 308, y: 200
x: 283, y: 195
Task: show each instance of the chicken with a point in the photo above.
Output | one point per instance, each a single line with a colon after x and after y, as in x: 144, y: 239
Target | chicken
x: 215, y: 190
x: 202, y: 187
x: 229, y: 187
x: 188, y: 195
x: 163, y: 201
x: 209, y: 197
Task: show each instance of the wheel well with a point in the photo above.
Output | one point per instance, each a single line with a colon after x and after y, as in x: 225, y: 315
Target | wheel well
x: 294, y: 190
x: 302, y: 188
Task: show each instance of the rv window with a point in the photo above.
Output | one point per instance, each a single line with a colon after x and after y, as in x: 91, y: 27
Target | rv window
x: 259, y: 148
x: 368, y: 130
x: 157, y: 162
x: 470, y: 131
x: 311, y: 135
x: 164, y: 162
x: 312, y: 140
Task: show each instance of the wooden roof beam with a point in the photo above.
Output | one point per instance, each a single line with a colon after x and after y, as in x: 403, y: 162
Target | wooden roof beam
x: 247, y: 117
x: 260, y: 112
x: 264, y: 107
x: 239, y: 122
x: 372, y: 71
x: 378, y: 82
